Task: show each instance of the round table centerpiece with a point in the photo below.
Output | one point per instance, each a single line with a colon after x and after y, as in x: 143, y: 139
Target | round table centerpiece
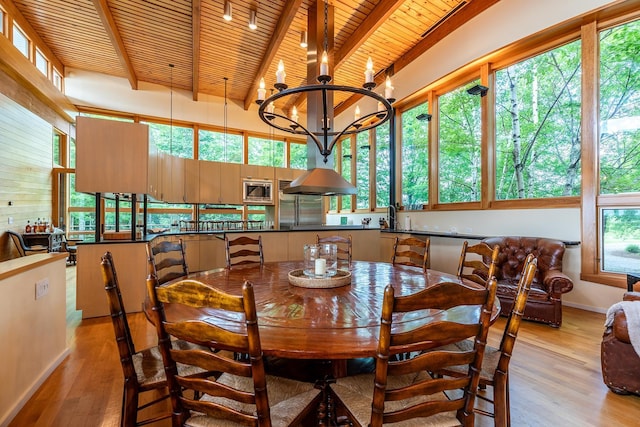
x: 299, y: 278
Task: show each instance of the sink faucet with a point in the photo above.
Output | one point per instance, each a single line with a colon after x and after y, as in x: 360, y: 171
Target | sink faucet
x: 391, y: 215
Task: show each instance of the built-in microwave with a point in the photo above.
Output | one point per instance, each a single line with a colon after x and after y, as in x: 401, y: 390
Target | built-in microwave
x: 257, y: 191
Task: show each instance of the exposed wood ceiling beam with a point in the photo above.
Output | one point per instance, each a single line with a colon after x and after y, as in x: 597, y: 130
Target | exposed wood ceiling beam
x: 376, y: 18
x: 454, y: 22
x: 286, y: 18
x: 114, y: 35
x: 196, y: 19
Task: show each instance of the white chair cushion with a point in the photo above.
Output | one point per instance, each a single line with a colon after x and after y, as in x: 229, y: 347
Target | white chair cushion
x: 356, y: 392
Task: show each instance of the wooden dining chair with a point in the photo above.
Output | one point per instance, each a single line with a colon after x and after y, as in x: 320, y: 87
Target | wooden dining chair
x: 495, y: 366
x: 472, y: 265
x: 411, y: 251
x: 402, y: 390
x: 241, y: 394
x: 136, y: 379
x: 343, y: 244
x: 250, y: 251
x: 168, y: 260
x: 23, y: 249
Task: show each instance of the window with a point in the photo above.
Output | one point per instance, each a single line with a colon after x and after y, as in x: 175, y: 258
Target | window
x: 220, y: 147
x: 383, y: 165
x: 175, y: 140
x: 619, y: 143
x: 346, y: 170
x: 57, y: 79
x: 298, y: 155
x: 266, y: 152
x: 20, y: 40
x: 2, y: 18
x: 42, y: 63
x: 58, y: 149
x: 82, y: 218
x: 538, y: 126
x: 619, y: 149
x: 362, y: 170
x: 459, y: 146
x: 620, y: 240
x: 415, y: 158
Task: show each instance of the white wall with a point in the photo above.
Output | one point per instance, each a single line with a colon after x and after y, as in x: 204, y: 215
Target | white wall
x: 33, y: 333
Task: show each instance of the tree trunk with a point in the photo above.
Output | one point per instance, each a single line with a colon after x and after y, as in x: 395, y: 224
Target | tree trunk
x: 515, y: 136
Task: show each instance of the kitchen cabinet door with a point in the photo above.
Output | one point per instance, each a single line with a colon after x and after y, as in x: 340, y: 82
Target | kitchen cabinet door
x: 191, y: 181
x: 209, y: 182
x: 230, y: 184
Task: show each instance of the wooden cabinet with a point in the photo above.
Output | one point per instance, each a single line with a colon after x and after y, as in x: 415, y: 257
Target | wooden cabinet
x: 154, y: 170
x: 111, y: 156
x: 257, y: 172
x: 191, y: 181
x: 220, y: 183
x: 230, y: 184
x: 172, y: 178
x: 287, y: 174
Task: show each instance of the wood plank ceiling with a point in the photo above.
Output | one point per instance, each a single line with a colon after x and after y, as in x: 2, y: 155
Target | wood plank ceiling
x: 138, y: 39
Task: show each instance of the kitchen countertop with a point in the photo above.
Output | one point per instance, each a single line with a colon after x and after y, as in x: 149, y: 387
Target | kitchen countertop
x: 453, y: 235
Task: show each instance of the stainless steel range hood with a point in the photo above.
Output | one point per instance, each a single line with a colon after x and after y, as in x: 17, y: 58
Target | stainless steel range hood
x: 320, y: 182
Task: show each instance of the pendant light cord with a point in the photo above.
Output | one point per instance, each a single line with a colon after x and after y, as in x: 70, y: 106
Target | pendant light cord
x: 225, y: 118
x: 171, y: 110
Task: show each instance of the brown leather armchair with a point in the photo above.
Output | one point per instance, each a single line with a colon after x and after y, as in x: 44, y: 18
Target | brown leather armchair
x: 620, y: 362
x: 545, y: 299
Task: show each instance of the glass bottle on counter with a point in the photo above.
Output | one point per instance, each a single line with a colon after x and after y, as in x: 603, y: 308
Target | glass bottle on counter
x: 27, y: 229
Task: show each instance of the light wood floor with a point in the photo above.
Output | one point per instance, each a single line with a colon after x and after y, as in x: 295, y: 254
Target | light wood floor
x: 555, y: 375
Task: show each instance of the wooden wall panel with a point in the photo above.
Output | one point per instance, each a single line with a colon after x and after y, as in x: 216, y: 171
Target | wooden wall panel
x: 25, y: 170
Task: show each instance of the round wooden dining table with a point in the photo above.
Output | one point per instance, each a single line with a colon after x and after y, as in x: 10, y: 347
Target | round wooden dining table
x: 331, y: 323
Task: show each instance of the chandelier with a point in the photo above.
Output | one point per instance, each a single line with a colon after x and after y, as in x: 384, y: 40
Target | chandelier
x: 326, y: 137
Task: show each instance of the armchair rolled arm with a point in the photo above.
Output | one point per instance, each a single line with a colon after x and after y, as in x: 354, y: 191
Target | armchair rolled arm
x: 631, y: 296
x: 556, y: 282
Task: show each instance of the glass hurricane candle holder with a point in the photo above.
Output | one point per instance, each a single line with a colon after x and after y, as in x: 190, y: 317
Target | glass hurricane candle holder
x: 320, y: 261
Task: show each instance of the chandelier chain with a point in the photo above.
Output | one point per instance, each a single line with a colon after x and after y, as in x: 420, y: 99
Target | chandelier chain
x: 326, y: 26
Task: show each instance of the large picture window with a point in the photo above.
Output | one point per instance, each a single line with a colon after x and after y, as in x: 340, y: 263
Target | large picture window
x: 383, y: 165
x: 346, y: 170
x: 415, y: 157
x: 619, y: 149
x: 266, y: 152
x: 619, y: 145
x: 459, y: 157
x: 219, y: 146
x: 175, y: 140
x: 538, y: 126
x: 363, y: 148
x: 297, y: 156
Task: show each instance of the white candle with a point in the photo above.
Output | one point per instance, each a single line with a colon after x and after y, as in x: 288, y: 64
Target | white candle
x: 368, y: 74
x: 261, y: 90
x: 321, y: 267
x: 294, y: 114
x: 356, y: 114
x: 280, y: 74
x: 388, y: 90
x: 324, y: 65
x: 271, y: 108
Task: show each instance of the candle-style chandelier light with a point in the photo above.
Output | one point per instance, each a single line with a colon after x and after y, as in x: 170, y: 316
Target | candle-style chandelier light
x: 325, y: 138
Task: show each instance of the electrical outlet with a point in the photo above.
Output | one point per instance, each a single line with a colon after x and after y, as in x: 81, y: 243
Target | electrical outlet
x: 10, y: 220
x: 42, y: 287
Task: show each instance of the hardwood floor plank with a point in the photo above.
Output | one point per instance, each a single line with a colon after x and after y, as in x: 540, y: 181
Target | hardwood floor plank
x: 555, y: 375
